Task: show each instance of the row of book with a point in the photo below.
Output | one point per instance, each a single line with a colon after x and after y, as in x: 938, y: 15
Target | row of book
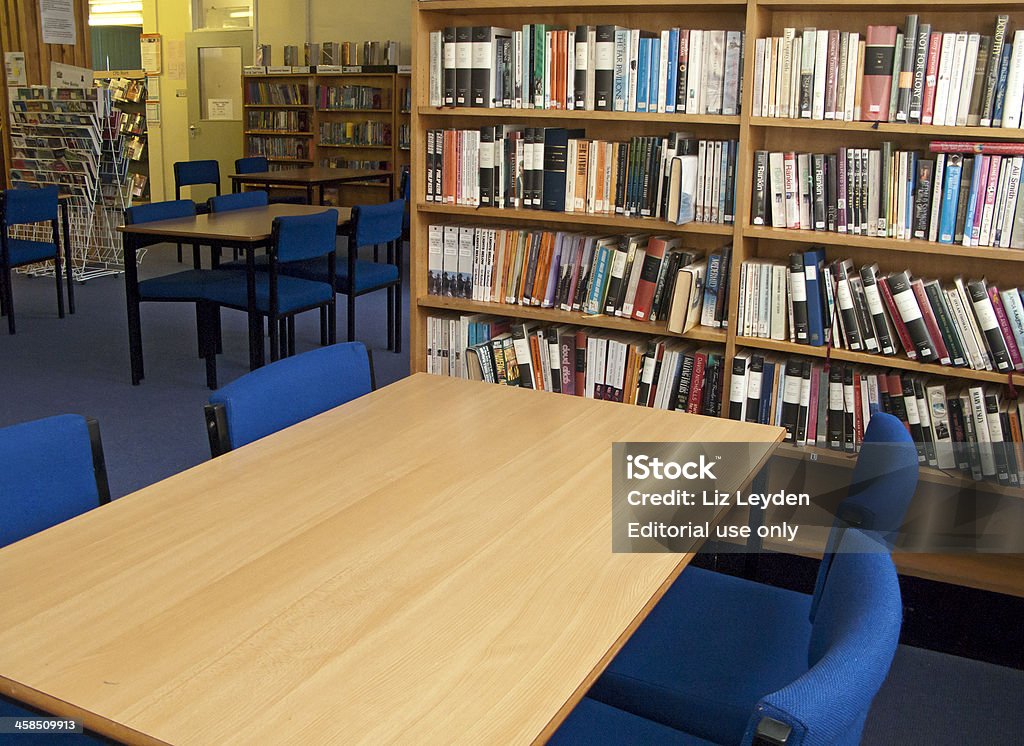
x: 131, y: 90
x: 917, y: 75
x: 950, y: 197
x: 268, y: 119
x: 263, y: 93
x: 54, y: 107
x: 352, y: 97
x: 639, y: 276
x: 333, y: 53
x: 967, y: 323
x: 676, y: 178
x: 277, y: 147
x: 405, y: 136
x: 973, y: 429
x: 355, y: 133
x: 132, y: 124
x: 355, y: 163
x: 587, y: 68
x: 659, y: 373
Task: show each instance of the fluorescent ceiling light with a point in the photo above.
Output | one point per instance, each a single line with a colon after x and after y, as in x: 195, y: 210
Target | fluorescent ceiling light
x: 116, y: 6
x: 240, y: 14
x: 115, y: 19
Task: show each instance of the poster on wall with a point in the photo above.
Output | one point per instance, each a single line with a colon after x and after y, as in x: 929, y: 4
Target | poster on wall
x: 14, y: 64
x: 149, y: 45
x: 57, y: 19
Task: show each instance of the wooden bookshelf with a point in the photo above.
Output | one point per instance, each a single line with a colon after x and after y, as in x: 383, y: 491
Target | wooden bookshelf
x: 757, y: 18
x: 327, y: 153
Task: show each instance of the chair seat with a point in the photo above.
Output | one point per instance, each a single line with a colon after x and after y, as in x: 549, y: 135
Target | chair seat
x: 11, y: 709
x: 369, y: 275
x: 592, y: 723
x: 26, y: 252
x: 690, y: 665
x: 293, y: 293
x: 191, y: 284
x: 261, y: 262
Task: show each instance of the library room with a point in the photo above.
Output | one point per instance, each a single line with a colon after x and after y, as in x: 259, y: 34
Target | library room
x: 583, y: 373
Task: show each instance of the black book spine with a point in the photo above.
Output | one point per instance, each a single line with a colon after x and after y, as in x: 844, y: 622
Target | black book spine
x: 739, y: 368
x: 754, y: 373
x: 804, y: 410
x: 621, y: 177
x: 860, y: 303
x: 486, y: 166
x: 847, y: 308
x: 820, y: 188
x: 877, y: 311
x: 798, y: 297
x: 849, y: 417
x: 732, y: 147
x: 926, y: 428
x: 906, y: 76
x: 832, y: 206
x: 945, y: 322
x: 998, y: 444
x: 958, y: 433
x: 463, y: 64
x: 985, y: 314
x: 556, y: 153
x: 682, y: 396
x: 580, y: 75
x: 913, y: 417
x: 923, y: 198
x: 1011, y: 456
x: 759, y: 214
x: 791, y: 397
x: 992, y: 72
x: 835, y: 407
x: 924, y: 32
x: 668, y: 290
x: 448, y: 55
x: 966, y: 177
x: 903, y: 296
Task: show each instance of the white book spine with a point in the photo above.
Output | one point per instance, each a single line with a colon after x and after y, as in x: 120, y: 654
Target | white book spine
x: 758, y: 76
x: 794, y: 81
x: 820, y: 74
x: 937, y: 190
x: 663, y: 64
x: 634, y: 64
x: 956, y: 78
x: 1014, y: 84
x: 851, y: 77
x: 788, y: 39
x: 967, y: 80
x: 570, y: 67
x: 570, y: 175
x: 1010, y: 208
x: 779, y: 314
x: 944, y: 76
x: 436, y: 69
x: 693, y: 72
x: 766, y: 71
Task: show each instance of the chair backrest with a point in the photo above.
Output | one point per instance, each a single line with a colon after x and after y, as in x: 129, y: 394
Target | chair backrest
x: 53, y: 470
x: 852, y: 644
x: 29, y: 205
x: 882, y: 485
x: 285, y: 392
x: 254, y: 164
x: 238, y: 201
x: 191, y: 173
x: 175, y: 208
x: 297, y: 237
x: 377, y: 224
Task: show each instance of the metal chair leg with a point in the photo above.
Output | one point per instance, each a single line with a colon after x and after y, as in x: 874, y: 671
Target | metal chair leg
x: 282, y: 327
x: 179, y: 253
x: 58, y: 276
x: 332, y: 321
x: 323, y: 326
x: 9, y: 294
x: 351, y: 316
x: 275, y: 342
x: 391, y: 318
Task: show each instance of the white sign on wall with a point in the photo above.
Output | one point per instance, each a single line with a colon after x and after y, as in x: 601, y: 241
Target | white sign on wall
x: 57, y: 18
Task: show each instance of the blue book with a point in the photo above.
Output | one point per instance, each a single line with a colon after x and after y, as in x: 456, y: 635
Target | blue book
x: 673, y: 71
x: 712, y: 278
x: 950, y: 195
x: 972, y: 199
x: 595, y: 300
x: 643, y: 70
x: 814, y: 261
x: 764, y: 408
x: 1004, y: 73
x: 652, y: 86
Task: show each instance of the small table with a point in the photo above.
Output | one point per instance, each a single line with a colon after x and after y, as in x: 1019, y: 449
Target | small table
x: 311, y: 178
x: 427, y: 564
x: 247, y: 229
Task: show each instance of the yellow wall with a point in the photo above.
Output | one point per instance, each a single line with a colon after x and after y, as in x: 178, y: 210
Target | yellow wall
x: 279, y: 22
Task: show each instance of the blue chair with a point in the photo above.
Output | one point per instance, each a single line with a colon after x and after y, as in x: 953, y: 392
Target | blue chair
x: 821, y: 682
x: 280, y: 297
x: 196, y: 173
x: 187, y: 286
x: 26, y: 206
x: 372, y: 225
x: 707, y: 684
x: 286, y: 392
x: 11, y: 709
x: 257, y: 164
x: 53, y: 471
x: 238, y: 201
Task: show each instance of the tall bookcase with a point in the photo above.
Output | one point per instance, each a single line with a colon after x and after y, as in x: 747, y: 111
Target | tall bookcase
x: 758, y: 18
x: 305, y: 126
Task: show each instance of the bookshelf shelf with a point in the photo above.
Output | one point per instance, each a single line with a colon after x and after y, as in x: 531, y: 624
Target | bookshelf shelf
x: 354, y: 111
x: 283, y: 133
x: 867, y: 358
x: 890, y: 128
x: 914, y: 246
x: 577, y: 219
x: 283, y: 159
x: 278, y: 106
x: 557, y: 316
x: 758, y: 19
x: 559, y: 114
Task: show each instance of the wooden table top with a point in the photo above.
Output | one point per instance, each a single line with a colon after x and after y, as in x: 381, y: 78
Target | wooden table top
x: 430, y: 563
x: 250, y: 225
x: 314, y: 175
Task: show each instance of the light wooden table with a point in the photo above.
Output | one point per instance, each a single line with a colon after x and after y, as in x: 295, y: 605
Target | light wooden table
x: 430, y: 563
x: 315, y: 177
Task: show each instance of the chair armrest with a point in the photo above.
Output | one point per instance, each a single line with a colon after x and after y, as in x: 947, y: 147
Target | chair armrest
x: 217, y: 429
x: 99, y: 462
x: 771, y: 732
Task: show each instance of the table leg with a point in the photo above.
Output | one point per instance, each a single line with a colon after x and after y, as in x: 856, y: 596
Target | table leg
x: 131, y: 285
x: 309, y: 194
x: 66, y: 229
x: 255, y: 322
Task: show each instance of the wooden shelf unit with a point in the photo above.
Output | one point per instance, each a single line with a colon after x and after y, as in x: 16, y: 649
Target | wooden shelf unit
x: 758, y: 18
x: 321, y: 153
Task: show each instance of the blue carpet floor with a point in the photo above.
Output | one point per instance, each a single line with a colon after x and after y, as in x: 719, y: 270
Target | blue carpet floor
x: 80, y: 364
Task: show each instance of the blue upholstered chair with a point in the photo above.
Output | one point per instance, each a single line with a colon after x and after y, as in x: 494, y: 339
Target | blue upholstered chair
x: 187, y: 286
x: 753, y: 637
x: 238, y: 201
x: 196, y: 173
x: 281, y: 394
x: 257, y: 164
x: 20, y: 207
x: 53, y: 470
x: 372, y: 225
x: 796, y: 684
x: 11, y: 709
x: 280, y: 297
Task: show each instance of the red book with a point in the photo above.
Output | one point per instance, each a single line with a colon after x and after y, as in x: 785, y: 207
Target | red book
x: 930, y: 322
x: 700, y: 363
x: 581, y: 362
x: 987, y: 148
x: 1004, y: 328
x: 879, y: 52
x: 931, y: 75
x: 897, y: 320
x: 656, y: 247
